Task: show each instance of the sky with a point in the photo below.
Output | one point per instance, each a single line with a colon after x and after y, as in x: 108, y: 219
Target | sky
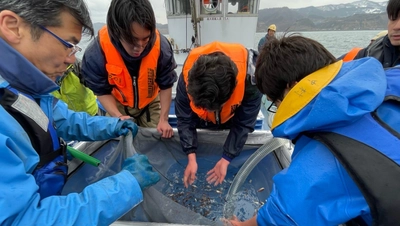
x: 98, y: 8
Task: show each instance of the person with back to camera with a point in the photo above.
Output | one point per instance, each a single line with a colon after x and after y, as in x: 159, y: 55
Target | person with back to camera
x: 344, y: 121
x: 130, y: 66
x: 215, y: 91
x: 38, y: 41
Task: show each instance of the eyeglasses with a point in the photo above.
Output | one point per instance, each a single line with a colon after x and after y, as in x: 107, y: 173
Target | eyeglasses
x: 74, y: 48
x: 272, y: 107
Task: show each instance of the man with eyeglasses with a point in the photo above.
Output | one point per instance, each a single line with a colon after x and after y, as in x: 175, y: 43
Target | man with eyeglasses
x: 216, y: 90
x: 130, y: 66
x: 38, y: 40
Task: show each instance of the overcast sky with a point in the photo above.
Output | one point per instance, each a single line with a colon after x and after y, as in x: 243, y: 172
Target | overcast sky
x: 98, y: 8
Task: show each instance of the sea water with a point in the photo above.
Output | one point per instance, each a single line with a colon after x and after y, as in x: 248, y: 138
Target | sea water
x: 207, y: 199
x: 337, y: 42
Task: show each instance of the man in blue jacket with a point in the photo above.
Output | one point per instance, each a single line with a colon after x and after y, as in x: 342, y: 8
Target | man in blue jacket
x: 38, y: 40
x: 130, y: 66
x: 216, y: 90
x: 344, y: 121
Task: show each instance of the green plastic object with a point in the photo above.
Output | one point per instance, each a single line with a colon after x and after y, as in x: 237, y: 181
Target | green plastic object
x: 83, y: 156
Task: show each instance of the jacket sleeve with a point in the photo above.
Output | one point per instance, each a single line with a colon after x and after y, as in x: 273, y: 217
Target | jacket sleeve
x: 246, y: 114
x: 243, y: 123
x: 187, y: 119
x: 166, y: 75
x: 314, y: 190
x: 100, y: 203
x: 81, y: 126
x: 93, y: 69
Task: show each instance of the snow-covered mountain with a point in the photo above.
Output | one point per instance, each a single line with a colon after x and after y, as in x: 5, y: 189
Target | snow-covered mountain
x: 344, y: 10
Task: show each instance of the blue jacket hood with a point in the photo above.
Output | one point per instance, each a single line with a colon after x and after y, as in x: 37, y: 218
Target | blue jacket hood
x: 22, y: 74
x: 334, y: 96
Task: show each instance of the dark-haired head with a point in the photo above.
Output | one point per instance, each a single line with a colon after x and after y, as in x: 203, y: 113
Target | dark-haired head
x: 48, y: 13
x: 393, y: 10
x: 212, y: 80
x: 284, y: 61
x: 123, y: 13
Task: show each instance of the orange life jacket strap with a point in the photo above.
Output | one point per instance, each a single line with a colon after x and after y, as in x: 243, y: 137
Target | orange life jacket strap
x: 351, y: 55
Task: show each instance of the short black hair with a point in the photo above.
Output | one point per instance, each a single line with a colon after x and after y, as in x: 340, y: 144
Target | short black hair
x: 47, y: 13
x: 393, y: 9
x: 286, y: 60
x: 121, y: 15
x: 212, y: 80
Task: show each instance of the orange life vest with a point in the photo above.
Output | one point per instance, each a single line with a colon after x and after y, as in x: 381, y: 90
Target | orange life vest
x: 351, y: 54
x: 238, y: 55
x: 124, y: 89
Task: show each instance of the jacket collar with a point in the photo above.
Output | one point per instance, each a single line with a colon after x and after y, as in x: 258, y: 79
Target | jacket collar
x: 22, y: 74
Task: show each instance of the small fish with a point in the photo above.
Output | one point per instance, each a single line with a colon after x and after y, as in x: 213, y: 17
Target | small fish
x: 194, y: 186
x: 250, y: 181
x: 218, y: 191
x: 261, y: 189
x: 257, y: 203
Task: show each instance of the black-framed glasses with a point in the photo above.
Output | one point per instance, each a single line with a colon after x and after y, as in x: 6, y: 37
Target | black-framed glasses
x: 74, y: 48
x: 272, y: 107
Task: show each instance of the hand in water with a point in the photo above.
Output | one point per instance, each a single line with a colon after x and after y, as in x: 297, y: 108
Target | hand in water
x: 234, y: 221
x: 189, y: 175
x: 218, y: 173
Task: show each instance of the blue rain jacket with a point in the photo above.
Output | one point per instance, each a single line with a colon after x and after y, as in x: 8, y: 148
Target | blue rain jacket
x: 315, y: 189
x: 100, y: 203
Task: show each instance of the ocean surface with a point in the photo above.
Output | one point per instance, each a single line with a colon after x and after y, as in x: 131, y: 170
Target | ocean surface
x: 337, y: 42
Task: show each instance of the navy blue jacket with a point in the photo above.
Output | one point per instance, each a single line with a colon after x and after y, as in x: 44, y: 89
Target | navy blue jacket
x: 94, y: 65
x: 242, y: 123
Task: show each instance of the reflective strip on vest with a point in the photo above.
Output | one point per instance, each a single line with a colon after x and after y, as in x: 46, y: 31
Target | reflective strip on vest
x: 51, y: 171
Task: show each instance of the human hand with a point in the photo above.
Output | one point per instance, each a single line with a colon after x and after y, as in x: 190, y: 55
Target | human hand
x: 189, y: 176
x: 124, y: 117
x: 139, y: 166
x: 165, y: 129
x: 234, y: 221
x: 218, y: 173
x: 124, y: 126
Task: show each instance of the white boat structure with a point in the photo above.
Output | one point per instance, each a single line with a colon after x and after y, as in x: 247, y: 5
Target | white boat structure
x: 198, y: 22
x: 248, y: 182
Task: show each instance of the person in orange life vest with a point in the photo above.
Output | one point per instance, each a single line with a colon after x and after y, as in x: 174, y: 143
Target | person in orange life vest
x: 130, y: 66
x: 215, y: 90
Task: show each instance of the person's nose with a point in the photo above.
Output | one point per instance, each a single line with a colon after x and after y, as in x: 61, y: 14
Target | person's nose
x: 70, y: 59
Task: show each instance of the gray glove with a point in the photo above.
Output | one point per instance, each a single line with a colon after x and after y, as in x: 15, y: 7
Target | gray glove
x: 139, y: 166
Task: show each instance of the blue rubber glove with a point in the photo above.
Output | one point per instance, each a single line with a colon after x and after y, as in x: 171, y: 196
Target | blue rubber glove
x: 140, y: 168
x: 124, y: 126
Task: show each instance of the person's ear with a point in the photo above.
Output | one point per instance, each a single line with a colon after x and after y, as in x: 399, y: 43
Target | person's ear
x: 10, y: 26
x: 291, y: 85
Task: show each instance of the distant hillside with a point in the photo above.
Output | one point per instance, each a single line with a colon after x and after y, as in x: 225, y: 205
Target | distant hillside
x: 358, y: 15
x: 163, y: 28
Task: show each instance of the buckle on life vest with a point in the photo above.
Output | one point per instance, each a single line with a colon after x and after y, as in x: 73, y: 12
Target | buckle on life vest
x: 63, y: 149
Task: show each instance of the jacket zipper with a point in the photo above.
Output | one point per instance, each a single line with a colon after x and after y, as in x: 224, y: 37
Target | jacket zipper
x: 136, y: 94
x: 217, y: 117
